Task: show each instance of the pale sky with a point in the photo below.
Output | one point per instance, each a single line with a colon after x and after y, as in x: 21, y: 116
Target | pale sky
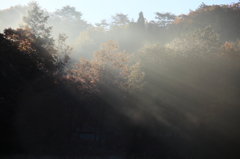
x: 95, y: 10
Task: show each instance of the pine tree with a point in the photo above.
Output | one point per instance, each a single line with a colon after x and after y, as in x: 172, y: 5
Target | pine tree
x: 35, y: 20
x: 141, y: 20
x: 120, y: 19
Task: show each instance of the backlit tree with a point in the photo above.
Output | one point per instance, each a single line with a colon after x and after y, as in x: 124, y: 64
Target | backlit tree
x: 109, y: 68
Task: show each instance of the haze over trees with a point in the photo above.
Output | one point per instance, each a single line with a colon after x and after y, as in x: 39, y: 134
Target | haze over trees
x: 163, y: 88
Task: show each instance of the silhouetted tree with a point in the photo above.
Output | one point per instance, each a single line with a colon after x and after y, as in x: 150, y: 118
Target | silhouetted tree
x: 26, y: 41
x: 103, y: 23
x: 120, y: 19
x: 164, y: 19
x: 141, y: 20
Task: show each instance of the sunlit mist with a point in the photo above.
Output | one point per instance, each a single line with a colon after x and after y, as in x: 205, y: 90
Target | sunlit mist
x: 120, y: 87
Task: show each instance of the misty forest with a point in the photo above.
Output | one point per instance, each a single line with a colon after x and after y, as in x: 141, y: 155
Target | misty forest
x: 125, y: 88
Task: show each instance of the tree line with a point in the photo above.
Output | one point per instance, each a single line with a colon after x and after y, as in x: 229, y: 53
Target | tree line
x: 141, y: 89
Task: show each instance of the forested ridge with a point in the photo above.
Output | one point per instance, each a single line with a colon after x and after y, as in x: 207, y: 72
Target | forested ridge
x: 163, y: 88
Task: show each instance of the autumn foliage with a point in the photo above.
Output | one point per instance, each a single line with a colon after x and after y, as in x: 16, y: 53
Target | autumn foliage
x: 109, y: 68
